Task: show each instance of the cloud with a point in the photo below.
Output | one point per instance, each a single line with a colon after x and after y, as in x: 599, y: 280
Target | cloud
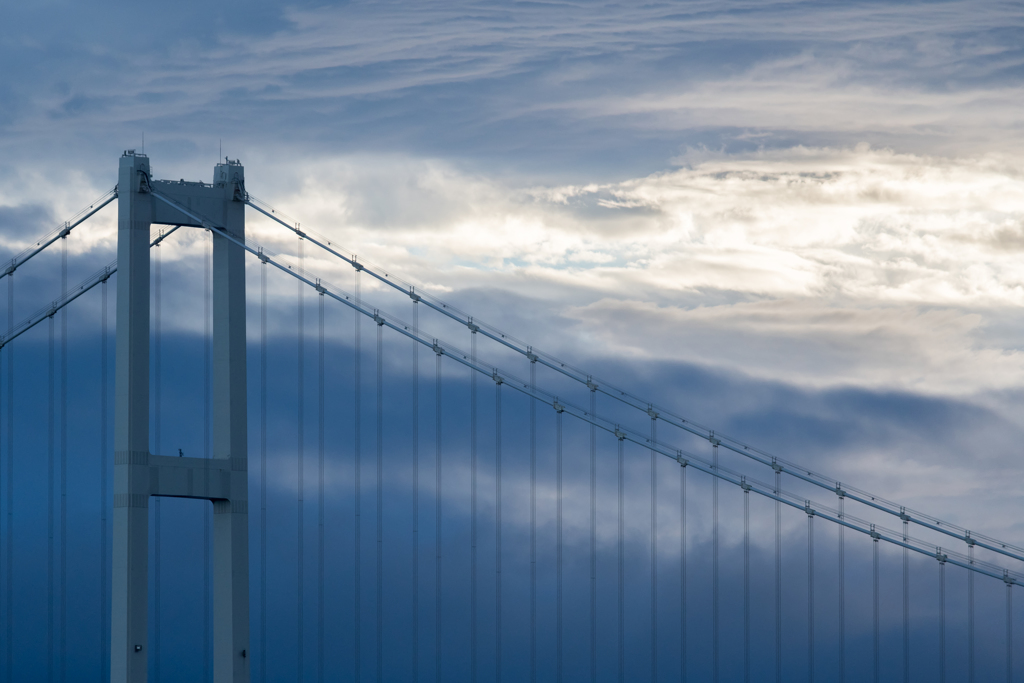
x: 545, y: 88
x: 826, y: 266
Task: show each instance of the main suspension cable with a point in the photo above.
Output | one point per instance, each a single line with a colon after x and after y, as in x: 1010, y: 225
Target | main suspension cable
x: 58, y: 304
x: 676, y: 454
x: 59, y: 233
x: 635, y: 402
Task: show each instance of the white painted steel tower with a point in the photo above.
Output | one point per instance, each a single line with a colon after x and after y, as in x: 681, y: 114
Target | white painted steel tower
x: 139, y: 474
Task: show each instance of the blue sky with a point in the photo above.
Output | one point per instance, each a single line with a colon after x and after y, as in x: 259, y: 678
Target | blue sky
x: 798, y: 223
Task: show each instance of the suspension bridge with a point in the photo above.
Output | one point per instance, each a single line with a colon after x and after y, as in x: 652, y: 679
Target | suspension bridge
x: 482, y: 514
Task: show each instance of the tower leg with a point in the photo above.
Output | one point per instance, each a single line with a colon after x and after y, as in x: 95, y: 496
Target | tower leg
x: 128, y: 645
x: 231, y: 518
x: 230, y: 593
x: 136, y: 472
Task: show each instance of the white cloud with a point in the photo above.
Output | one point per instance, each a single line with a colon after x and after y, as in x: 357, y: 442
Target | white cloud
x: 820, y: 266
x: 815, y: 265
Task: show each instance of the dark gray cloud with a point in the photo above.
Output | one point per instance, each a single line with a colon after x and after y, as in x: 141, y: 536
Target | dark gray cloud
x: 596, y: 89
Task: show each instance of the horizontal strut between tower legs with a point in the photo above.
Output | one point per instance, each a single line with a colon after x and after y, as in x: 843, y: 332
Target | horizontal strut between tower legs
x: 203, y: 478
x: 179, y: 477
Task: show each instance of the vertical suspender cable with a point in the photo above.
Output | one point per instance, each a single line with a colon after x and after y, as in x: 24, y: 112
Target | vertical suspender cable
x: 810, y: 594
x: 1009, y: 632
x: 874, y: 546
x: 558, y: 546
x: 842, y: 595
x: 533, y: 525
x: 621, y: 576
x: 357, y: 382
x: 104, y: 633
x: 942, y: 619
x: 10, y: 482
x: 778, y: 574
x: 263, y: 472
x: 49, y: 517
x: 320, y: 505
x: 472, y: 497
x: 593, y: 537
x: 3, y: 567
x: 497, y: 531
x: 300, y: 433
x: 714, y: 566
x: 415, y: 493
x: 683, y: 643
x: 746, y: 583
x: 64, y: 463
x: 207, y: 509
x: 157, y: 394
x: 906, y: 607
x: 380, y: 501
x: 970, y: 615
x: 654, y: 546
x: 437, y: 520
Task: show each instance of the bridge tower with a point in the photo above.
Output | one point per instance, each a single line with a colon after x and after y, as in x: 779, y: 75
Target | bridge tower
x: 139, y: 474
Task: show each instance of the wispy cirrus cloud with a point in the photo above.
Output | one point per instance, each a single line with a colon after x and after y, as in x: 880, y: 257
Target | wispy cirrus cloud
x: 591, y: 89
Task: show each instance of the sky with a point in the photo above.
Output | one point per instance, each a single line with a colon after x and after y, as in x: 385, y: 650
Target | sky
x: 796, y: 223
